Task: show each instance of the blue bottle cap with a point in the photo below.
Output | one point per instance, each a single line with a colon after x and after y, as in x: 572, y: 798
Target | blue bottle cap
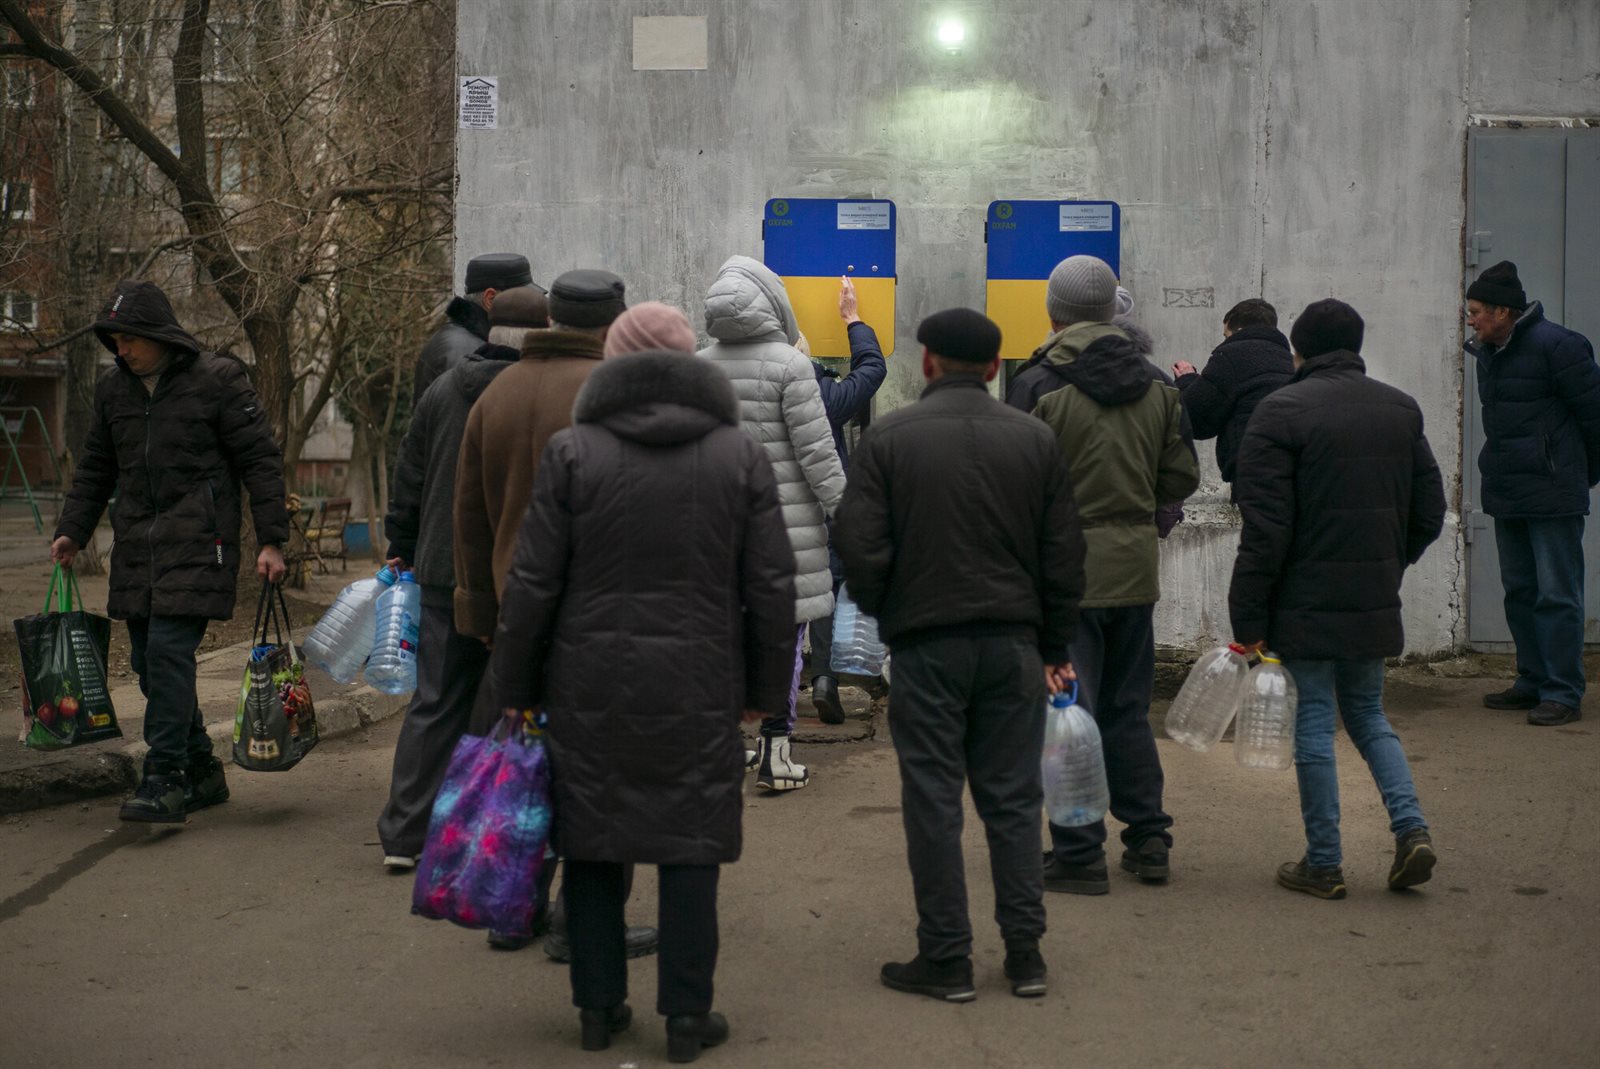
x: 386, y: 575
x: 408, y: 576
x: 1066, y: 697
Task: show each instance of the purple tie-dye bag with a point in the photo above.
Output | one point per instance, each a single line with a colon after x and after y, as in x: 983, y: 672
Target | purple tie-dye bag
x: 486, y: 838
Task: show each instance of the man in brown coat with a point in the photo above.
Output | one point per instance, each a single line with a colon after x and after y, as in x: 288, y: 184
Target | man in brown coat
x: 506, y: 434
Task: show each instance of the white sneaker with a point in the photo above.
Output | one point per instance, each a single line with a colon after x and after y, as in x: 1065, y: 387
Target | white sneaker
x: 778, y: 772
x: 399, y: 862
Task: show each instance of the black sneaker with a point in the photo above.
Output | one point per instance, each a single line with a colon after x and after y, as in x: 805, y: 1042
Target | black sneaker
x: 1025, y: 969
x: 1413, y: 860
x: 159, y: 800
x: 949, y: 981
x: 825, y: 697
x: 1553, y: 714
x: 1075, y: 879
x: 207, y: 785
x: 1510, y: 698
x: 1148, y: 860
x: 1324, y: 883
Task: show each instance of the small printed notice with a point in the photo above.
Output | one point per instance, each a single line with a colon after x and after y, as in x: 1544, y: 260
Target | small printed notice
x: 480, y: 102
x: 1085, y: 217
x: 863, y: 215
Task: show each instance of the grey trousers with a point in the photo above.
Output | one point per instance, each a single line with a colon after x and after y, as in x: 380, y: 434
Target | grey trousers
x: 969, y: 711
x: 449, y: 668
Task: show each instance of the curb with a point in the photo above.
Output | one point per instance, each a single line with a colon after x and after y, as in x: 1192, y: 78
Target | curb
x: 92, y: 771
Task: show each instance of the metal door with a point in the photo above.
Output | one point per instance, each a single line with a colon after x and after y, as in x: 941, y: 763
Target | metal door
x: 1533, y: 197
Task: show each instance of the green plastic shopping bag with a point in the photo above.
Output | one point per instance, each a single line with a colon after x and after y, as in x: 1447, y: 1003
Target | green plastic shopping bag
x: 65, y: 699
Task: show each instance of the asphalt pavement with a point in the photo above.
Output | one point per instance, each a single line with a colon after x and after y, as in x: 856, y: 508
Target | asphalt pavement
x: 264, y: 933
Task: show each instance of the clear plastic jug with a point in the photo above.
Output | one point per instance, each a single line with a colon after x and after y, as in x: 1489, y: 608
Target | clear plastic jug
x: 1073, y: 764
x: 392, y: 668
x: 1264, y: 737
x: 857, y: 649
x: 1210, y: 696
x: 342, y: 639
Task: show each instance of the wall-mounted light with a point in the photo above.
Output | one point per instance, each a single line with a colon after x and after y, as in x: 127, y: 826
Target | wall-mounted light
x: 952, y: 34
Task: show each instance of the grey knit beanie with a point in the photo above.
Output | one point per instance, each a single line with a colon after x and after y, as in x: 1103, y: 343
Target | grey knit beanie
x: 1082, y: 288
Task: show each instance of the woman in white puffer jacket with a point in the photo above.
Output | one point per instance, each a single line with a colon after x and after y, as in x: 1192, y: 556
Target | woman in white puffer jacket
x: 748, y: 313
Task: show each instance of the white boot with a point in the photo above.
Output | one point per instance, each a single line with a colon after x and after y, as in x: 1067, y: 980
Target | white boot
x: 778, y: 771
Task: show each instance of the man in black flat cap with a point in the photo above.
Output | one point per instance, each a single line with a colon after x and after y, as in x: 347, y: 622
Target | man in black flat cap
x: 176, y: 431
x: 959, y: 532
x: 1541, y: 455
x: 466, y: 319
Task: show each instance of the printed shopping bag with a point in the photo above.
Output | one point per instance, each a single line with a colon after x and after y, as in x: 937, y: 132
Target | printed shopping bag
x: 65, y: 700
x: 487, y: 836
x: 275, y: 724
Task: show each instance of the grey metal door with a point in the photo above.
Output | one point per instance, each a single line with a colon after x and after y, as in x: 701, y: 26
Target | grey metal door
x: 1533, y: 197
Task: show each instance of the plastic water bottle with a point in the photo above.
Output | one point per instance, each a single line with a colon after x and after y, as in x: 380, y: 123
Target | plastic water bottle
x: 856, y: 646
x: 342, y: 639
x: 1074, y: 763
x: 1210, y: 696
x: 1264, y: 737
x: 393, y: 665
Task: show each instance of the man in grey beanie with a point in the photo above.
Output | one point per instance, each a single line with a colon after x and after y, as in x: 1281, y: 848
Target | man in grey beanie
x: 1082, y: 300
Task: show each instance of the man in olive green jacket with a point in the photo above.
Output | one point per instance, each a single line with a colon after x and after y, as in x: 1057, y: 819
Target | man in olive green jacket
x: 1125, y: 441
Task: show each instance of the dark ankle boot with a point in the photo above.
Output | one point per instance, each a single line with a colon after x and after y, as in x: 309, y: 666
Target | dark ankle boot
x: 207, y: 784
x: 600, y: 1025
x: 825, y: 697
x: 159, y: 799
x: 690, y: 1033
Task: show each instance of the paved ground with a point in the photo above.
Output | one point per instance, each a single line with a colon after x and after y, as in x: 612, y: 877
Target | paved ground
x: 264, y: 933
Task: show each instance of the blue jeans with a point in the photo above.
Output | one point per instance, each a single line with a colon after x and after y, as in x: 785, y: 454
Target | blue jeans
x: 1358, y: 687
x: 1541, y: 565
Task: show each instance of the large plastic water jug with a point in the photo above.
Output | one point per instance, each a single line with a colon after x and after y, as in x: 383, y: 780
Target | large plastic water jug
x: 1073, y: 764
x: 1264, y: 736
x: 857, y: 649
x: 342, y: 639
x: 1210, y: 696
x: 392, y: 667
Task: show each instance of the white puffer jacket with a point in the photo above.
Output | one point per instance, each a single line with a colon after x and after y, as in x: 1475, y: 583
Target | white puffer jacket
x: 747, y: 311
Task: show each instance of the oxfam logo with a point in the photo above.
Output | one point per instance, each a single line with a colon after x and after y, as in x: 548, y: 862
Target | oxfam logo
x: 780, y: 208
x: 1002, y: 211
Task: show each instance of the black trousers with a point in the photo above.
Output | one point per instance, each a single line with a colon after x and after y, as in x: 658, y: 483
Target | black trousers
x: 595, y: 892
x: 1115, y: 658
x: 822, y: 630
x: 449, y: 668
x: 969, y: 711
x: 163, y: 656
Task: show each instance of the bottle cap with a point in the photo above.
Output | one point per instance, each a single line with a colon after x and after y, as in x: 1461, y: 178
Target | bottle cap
x: 1270, y: 658
x: 408, y: 576
x: 1066, y: 697
x: 386, y: 575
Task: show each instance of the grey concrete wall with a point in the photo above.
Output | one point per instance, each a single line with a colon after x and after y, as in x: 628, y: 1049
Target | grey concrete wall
x: 1290, y: 149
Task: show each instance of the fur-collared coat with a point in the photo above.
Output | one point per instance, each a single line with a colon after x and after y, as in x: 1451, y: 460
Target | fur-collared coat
x: 650, y: 600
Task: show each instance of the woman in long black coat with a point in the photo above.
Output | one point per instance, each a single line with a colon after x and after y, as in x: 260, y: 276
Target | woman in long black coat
x: 650, y: 604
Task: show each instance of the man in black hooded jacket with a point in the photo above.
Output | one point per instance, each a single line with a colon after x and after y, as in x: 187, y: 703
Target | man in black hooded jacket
x: 175, y: 431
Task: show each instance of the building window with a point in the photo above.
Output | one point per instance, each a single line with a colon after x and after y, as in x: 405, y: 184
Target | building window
x: 18, y: 311
x: 227, y: 54
x: 16, y: 199
x: 232, y: 168
x: 19, y: 87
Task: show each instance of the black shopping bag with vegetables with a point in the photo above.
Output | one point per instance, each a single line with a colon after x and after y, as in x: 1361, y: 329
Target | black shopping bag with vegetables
x: 65, y: 700
x: 275, y: 724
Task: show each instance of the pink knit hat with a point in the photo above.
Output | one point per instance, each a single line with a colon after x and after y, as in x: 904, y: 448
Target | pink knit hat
x: 651, y: 325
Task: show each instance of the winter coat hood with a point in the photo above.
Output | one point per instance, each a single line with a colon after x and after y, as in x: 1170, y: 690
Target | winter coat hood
x: 1112, y: 371
x: 474, y: 375
x: 468, y: 315
x: 1068, y: 343
x: 658, y: 398
x: 1140, y: 337
x: 142, y: 309
x: 747, y: 303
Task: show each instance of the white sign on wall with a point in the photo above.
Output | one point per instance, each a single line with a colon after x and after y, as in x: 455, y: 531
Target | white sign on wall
x: 863, y: 215
x: 480, y: 102
x: 1077, y: 217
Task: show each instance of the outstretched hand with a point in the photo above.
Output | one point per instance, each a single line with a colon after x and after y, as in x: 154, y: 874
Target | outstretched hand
x: 849, y: 306
x: 1182, y: 368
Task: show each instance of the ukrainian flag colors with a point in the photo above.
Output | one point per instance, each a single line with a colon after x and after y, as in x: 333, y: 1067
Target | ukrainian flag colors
x: 809, y: 243
x: 1026, y: 239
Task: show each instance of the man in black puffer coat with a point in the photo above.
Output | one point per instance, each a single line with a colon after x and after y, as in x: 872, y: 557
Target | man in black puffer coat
x: 1340, y: 494
x: 1541, y: 455
x: 466, y: 319
x: 1252, y: 361
x: 175, y: 432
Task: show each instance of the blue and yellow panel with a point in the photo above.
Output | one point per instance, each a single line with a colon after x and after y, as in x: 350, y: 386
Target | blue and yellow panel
x: 809, y: 243
x: 1026, y: 239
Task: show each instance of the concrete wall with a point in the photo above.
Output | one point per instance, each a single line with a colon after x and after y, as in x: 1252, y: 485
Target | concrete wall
x: 1291, y: 149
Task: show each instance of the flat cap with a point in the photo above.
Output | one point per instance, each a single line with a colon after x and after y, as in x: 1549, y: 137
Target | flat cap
x: 498, y: 271
x: 587, y: 297
x: 961, y: 334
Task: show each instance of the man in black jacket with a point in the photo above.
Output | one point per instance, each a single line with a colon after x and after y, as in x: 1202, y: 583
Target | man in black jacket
x: 1340, y: 494
x: 1252, y: 361
x: 958, y: 531
x: 1541, y: 455
x: 466, y: 319
x: 175, y: 431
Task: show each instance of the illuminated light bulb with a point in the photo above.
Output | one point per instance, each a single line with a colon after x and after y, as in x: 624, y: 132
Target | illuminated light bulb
x: 951, y: 34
